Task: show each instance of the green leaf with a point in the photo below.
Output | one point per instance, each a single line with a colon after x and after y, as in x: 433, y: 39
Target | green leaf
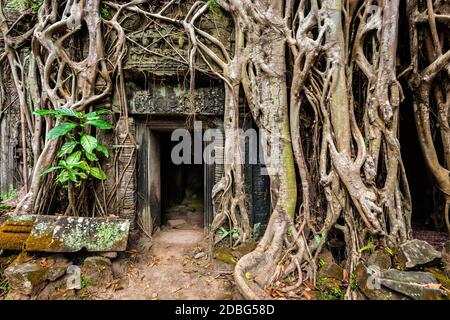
x: 91, y: 156
x: 63, y: 164
x: 61, y: 130
x: 63, y: 177
x: 368, y: 246
x: 72, y: 176
x: 223, y: 233
x: 102, y: 149
x: 42, y: 112
x: 74, y: 158
x: 248, y: 276
x: 82, y: 165
x: 88, y: 142
x: 51, y: 170
x: 101, y: 124
x: 102, y: 111
x: 67, y: 148
x: 94, y: 115
x: 82, y: 175
x: 321, y: 262
x: 98, y: 173
x: 67, y: 112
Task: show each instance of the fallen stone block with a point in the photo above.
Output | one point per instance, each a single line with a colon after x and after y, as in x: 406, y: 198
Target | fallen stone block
x: 57, y: 290
x: 30, y: 276
x: 176, y: 223
x: 368, y: 282
x: 417, y: 285
x: 97, y: 271
x: 63, y: 234
x: 332, y: 270
x: 25, y: 278
x: 381, y: 259
x: 417, y: 253
x: 446, y: 253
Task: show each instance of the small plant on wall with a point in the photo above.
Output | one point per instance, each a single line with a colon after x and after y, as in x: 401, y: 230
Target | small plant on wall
x: 80, y: 151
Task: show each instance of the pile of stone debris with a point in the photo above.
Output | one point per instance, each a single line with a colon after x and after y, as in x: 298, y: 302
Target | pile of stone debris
x: 187, y: 215
x: 54, y: 277
x: 415, y: 270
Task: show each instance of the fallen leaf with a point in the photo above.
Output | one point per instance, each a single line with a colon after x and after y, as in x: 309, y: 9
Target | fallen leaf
x: 307, y: 295
x: 178, y: 289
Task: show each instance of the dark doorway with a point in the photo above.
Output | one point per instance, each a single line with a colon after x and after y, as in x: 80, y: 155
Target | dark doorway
x: 182, y: 188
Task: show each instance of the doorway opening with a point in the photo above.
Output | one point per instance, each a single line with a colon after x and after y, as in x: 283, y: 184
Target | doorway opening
x: 182, y: 189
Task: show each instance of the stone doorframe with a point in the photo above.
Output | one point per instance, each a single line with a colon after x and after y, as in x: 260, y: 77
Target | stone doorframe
x: 148, y: 187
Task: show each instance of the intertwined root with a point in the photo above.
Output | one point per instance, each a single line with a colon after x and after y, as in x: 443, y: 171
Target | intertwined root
x: 60, y: 79
x: 349, y: 154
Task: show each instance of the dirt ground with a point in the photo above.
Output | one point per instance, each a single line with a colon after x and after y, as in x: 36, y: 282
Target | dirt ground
x: 175, y: 267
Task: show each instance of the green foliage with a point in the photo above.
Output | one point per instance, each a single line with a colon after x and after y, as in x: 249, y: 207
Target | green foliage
x: 18, y: 5
x: 321, y: 263
x: 4, y: 207
x: 61, y: 130
x: 337, y: 293
x: 105, y: 11
x: 22, y: 5
x: 289, y: 232
x: 327, y: 293
x: 353, y: 281
x: 79, y: 154
x: 36, y: 5
x: 4, y: 286
x: 397, y: 265
x: 233, y: 233
x: 214, y: 7
x: 369, y: 246
x: 322, y: 281
x: 389, y: 251
x: 25, y: 49
x: 5, y: 197
x: 287, y: 279
x: 11, y: 193
x: 85, y: 282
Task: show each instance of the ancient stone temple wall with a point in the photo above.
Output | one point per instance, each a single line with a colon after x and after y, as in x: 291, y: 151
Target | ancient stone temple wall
x: 10, y: 155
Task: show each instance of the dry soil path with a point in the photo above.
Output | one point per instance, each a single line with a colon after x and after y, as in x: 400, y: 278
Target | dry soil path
x: 169, y: 270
